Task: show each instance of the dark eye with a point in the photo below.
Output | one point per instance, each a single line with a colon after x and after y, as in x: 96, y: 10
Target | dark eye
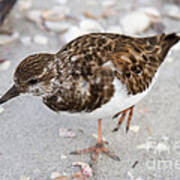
x: 33, y: 81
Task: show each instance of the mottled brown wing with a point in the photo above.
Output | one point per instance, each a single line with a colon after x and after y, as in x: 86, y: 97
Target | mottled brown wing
x: 138, y: 59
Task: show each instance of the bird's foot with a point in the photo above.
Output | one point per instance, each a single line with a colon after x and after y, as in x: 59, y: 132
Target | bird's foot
x: 95, y: 150
x: 98, y: 148
x: 123, y: 115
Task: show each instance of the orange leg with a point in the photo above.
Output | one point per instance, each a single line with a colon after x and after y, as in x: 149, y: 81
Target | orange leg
x: 124, y: 114
x: 98, y: 148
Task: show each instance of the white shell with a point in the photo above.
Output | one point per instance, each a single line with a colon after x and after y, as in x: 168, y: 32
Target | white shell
x: 55, y: 175
x: 5, y: 65
x: 39, y: 39
x: 109, y: 3
x: 61, y: 1
x: 151, y: 11
x: 172, y: 11
x: 1, y: 110
x: 24, y: 178
x: 26, y: 40
x: 34, y: 16
x: 135, y: 23
x: 58, y: 27
x: 72, y: 33
x: 25, y: 5
x: 6, y: 39
x: 87, y: 26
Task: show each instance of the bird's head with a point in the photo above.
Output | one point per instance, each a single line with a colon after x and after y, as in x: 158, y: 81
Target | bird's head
x: 33, y: 75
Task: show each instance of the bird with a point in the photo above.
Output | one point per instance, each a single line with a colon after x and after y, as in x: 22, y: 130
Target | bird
x: 94, y: 73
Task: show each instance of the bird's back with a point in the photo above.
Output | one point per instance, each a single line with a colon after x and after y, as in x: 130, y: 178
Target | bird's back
x: 88, y: 66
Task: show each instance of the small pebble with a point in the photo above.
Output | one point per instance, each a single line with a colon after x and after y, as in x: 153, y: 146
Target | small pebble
x: 61, y: 1
x: 86, y: 170
x: 25, y: 4
x: 108, y: 3
x: 55, y: 175
x: 7, y: 39
x: 24, y: 178
x: 26, y: 40
x: 39, y: 39
x: 87, y: 26
x: 62, y: 178
x: 58, y: 27
x: 135, y: 23
x: 169, y: 59
x: 1, y: 110
x: 172, y: 11
x: 67, y: 133
x: 151, y: 11
x: 139, y: 178
x: 5, y: 65
x: 52, y: 15
x: 34, y: 16
x: 57, y: 13
x: 63, y: 157
x: 134, y: 128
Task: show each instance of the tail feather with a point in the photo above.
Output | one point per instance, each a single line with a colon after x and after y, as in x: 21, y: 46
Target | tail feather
x: 172, y: 38
x: 166, y: 42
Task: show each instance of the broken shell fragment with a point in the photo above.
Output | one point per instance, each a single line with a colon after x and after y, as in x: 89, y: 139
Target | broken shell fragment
x: 58, y: 27
x: 7, y: 39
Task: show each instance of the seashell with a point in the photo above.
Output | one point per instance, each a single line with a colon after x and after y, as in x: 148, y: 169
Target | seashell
x: 135, y: 23
x: 151, y: 11
x: 39, y: 39
x: 55, y: 175
x: 34, y: 16
x: 108, y: 3
x: 1, y: 110
x: 24, y: 178
x: 26, y: 40
x: 57, y: 26
x: 55, y: 14
x: 62, y: 178
x: 72, y: 33
x: 172, y: 11
x: 87, y: 26
x: 61, y: 1
x: 5, y: 65
x: 134, y: 128
x: 25, y: 4
x: 51, y: 15
x: 6, y: 39
x: 86, y: 170
x: 67, y: 133
x: 115, y: 29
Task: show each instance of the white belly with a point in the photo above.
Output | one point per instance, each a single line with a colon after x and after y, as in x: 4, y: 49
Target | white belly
x: 121, y: 100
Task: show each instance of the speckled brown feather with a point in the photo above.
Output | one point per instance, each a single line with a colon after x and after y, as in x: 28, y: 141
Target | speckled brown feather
x: 81, y: 61
x: 78, y: 77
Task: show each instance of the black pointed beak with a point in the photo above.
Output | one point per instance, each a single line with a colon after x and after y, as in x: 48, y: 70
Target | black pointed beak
x: 11, y: 93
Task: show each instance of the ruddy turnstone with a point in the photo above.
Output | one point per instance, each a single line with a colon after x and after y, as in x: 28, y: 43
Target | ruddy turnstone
x: 93, y: 73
